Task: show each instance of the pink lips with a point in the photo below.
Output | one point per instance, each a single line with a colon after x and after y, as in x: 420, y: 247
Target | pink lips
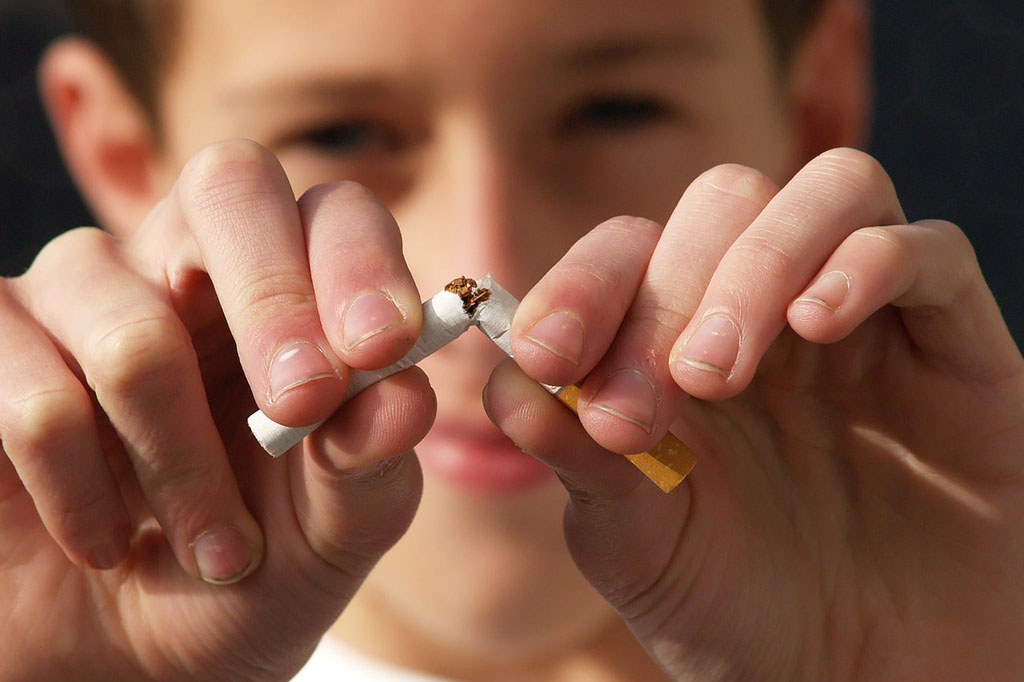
x: 478, y: 457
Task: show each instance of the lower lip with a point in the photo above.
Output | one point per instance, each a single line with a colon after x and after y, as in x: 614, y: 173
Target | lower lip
x: 479, y: 459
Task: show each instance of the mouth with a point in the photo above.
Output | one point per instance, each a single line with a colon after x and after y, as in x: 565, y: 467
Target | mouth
x: 477, y: 457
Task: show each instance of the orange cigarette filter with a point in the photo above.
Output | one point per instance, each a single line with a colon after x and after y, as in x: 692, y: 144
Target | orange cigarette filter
x: 666, y: 464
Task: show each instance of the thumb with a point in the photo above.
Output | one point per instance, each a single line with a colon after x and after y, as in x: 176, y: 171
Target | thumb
x: 353, y: 486
x: 621, y: 529
x: 355, y: 482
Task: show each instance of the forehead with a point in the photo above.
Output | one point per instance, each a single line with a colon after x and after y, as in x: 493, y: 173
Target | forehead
x: 261, y: 38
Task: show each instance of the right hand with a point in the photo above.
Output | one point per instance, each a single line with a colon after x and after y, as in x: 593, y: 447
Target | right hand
x: 128, y: 368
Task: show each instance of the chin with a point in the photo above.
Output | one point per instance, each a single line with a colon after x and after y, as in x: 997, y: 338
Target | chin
x: 487, y: 576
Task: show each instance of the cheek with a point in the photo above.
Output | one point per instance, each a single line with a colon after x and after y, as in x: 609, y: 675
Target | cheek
x: 750, y: 124
x: 763, y: 142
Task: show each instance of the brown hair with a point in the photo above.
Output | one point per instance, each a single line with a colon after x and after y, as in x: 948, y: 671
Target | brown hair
x: 788, y: 20
x: 139, y: 36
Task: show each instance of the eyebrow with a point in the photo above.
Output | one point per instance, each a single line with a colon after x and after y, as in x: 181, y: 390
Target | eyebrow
x: 588, y: 56
x: 604, y: 52
x: 322, y: 89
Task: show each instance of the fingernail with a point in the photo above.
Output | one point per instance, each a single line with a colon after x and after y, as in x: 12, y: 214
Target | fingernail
x: 368, y: 315
x: 629, y: 395
x: 830, y: 291
x: 561, y: 333
x: 222, y: 555
x: 295, y: 364
x: 714, y: 346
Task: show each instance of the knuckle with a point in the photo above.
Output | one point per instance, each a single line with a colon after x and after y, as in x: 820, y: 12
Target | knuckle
x: 625, y: 237
x: 739, y: 182
x: 630, y: 227
x: 859, y: 168
x: 891, y: 249
x: 660, y: 320
x: 179, y: 481
x: 343, y: 191
x: 962, y: 273
x: 353, y: 557
x: 360, y: 545
x: 586, y: 274
x: 137, y: 352
x: 957, y: 241
x: 851, y: 158
x: 228, y: 168
x: 622, y: 236
x: 83, y: 509
x: 377, y: 474
x: 766, y: 255
x: 228, y: 158
x: 43, y: 422
x: 77, y: 240
x: 359, y: 223
x: 67, y: 247
x: 268, y: 293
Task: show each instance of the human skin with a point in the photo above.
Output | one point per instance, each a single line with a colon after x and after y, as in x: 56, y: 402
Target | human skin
x: 856, y: 511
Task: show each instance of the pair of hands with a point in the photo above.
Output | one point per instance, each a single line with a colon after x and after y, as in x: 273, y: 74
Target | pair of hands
x: 854, y: 398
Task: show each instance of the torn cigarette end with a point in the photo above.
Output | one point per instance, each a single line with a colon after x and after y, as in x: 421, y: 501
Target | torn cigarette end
x: 466, y: 289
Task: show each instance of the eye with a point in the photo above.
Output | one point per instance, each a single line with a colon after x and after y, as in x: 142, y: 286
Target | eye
x: 615, y: 113
x: 356, y: 137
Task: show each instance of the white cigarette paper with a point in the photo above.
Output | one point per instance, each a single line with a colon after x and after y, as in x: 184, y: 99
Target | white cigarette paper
x: 494, y: 318
x: 494, y: 315
x: 444, y: 320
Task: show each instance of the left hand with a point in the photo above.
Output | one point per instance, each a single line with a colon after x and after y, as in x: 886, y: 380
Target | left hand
x: 856, y: 405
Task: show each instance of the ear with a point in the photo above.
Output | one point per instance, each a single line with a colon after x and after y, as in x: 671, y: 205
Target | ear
x: 829, y: 82
x: 107, y: 140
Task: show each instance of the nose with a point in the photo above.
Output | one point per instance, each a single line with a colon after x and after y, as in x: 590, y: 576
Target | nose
x: 477, y: 209
x: 472, y: 210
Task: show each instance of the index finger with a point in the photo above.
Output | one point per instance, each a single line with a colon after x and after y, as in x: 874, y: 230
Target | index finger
x: 239, y: 207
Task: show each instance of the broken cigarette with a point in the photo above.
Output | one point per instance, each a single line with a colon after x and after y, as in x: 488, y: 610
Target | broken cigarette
x: 444, y: 320
x: 464, y: 303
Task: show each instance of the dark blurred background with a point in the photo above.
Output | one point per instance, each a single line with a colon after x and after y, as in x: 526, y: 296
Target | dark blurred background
x: 948, y: 126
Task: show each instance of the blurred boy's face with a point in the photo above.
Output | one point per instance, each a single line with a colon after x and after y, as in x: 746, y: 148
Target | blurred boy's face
x: 498, y: 133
